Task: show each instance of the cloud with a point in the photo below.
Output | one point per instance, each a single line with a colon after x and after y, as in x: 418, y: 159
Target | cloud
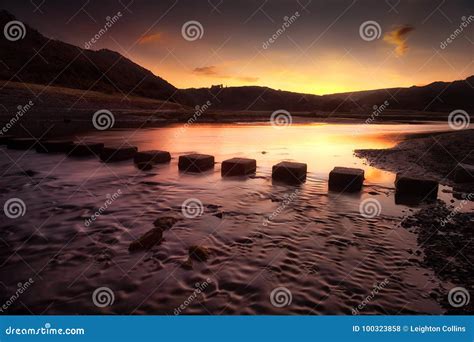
x: 213, y: 71
x: 398, y: 38
x: 150, y: 38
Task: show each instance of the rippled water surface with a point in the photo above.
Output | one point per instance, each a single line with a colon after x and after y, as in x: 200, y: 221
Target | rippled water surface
x: 316, y: 244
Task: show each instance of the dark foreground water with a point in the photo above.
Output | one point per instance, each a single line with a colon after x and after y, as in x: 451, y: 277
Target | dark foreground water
x: 274, y: 248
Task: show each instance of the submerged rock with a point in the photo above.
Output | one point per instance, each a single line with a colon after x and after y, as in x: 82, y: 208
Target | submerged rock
x: 165, y: 222
x: 146, y: 241
x: 111, y: 154
x: 86, y: 149
x: 54, y: 146
x: 144, y: 166
x: 464, y: 173
x: 289, y: 172
x: 154, y: 156
x: 198, y: 253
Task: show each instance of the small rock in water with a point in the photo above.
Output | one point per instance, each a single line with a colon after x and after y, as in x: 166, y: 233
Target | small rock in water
x: 146, y: 241
x: 144, y: 166
x: 198, y: 253
x: 219, y: 215
x: 165, y: 222
x: 188, y: 264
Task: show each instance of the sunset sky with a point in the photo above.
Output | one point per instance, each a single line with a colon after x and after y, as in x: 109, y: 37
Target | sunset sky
x: 320, y: 52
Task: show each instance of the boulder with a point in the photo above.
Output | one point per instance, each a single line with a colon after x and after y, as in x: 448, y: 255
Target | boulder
x: 346, y: 179
x: 198, y: 253
x: 289, y: 172
x: 112, y: 154
x: 5, y: 138
x: 196, y: 162
x: 238, y: 167
x: 406, y: 186
x: 21, y: 143
x: 152, y: 157
x: 54, y: 146
x: 146, y: 241
x: 86, y: 149
x: 464, y: 173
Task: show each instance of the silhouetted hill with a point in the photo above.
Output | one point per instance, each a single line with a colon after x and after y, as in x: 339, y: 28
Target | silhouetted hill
x: 37, y: 59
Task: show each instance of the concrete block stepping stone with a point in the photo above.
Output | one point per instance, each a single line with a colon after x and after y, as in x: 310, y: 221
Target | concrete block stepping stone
x: 54, y: 146
x: 86, y: 149
x: 464, y: 173
x: 289, y: 172
x: 196, y: 162
x: 346, y: 179
x: 238, y: 167
x: 21, y: 143
x: 407, y: 186
x: 113, y: 154
x: 152, y: 157
x: 5, y: 138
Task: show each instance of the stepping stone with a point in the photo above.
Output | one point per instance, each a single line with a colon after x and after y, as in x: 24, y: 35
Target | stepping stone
x: 152, y: 157
x: 415, y: 187
x: 113, y: 154
x: 21, y: 143
x: 86, y: 149
x: 5, y: 138
x: 464, y: 173
x: 196, y: 162
x: 346, y: 179
x: 238, y: 167
x: 289, y: 172
x: 54, y: 146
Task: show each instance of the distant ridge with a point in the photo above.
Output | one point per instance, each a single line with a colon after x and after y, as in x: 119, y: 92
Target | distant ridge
x: 66, y: 65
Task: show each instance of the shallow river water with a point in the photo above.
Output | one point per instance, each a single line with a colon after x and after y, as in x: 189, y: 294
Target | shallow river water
x: 274, y: 248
